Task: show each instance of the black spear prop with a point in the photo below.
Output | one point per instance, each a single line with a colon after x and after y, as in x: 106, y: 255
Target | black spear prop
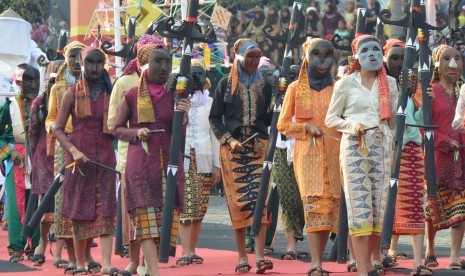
x: 58, y: 55
x: 190, y: 32
x: 126, y: 51
x: 380, y: 32
x: 292, y: 40
x: 414, y: 21
x: 50, y: 195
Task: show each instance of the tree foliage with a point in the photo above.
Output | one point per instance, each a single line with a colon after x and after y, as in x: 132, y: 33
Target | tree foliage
x: 30, y: 10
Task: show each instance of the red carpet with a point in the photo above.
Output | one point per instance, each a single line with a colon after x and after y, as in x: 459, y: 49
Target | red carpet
x: 217, y: 262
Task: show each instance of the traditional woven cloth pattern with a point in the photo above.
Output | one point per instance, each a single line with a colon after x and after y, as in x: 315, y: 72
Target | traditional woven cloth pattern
x: 447, y: 209
x: 365, y: 174
x: 242, y: 173
x: 84, y: 229
x: 196, y: 193
x: 321, y: 212
x: 63, y: 226
x: 289, y: 196
x: 145, y: 111
x: 410, y: 217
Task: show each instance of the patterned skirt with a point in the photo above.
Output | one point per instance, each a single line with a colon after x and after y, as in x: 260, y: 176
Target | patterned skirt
x: 365, y: 172
x: 410, y: 217
x: 446, y: 210
x: 63, y: 226
x: 146, y: 223
x: 289, y: 195
x: 86, y: 229
x: 196, y: 193
x: 242, y: 173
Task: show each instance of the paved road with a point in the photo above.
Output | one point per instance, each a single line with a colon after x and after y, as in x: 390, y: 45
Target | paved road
x: 217, y: 233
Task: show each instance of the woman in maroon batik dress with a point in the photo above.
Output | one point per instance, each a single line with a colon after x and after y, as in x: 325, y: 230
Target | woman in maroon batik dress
x: 149, y: 106
x: 89, y: 191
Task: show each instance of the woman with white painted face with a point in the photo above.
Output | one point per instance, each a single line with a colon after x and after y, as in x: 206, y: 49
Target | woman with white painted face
x: 362, y: 108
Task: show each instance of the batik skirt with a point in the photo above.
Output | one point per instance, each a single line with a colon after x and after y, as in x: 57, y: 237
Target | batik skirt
x: 447, y: 209
x: 242, y: 173
x: 101, y: 226
x: 63, y: 226
x: 146, y: 223
x: 410, y: 217
x: 289, y: 195
x: 196, y: 193
x: 365, y: 169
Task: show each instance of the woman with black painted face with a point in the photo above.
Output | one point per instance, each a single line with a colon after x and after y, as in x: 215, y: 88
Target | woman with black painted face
x: 240, y: 117
x: 16, y: 153
x: 361, y: 109
x: 316, y: 154
x: 89, y: 192
x: 144, y: 119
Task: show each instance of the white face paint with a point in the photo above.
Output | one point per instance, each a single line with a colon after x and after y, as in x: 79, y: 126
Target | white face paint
x: 452, y: 63
x: 370, y: 56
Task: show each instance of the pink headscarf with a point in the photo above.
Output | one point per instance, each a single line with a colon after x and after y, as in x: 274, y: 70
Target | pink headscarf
x: 264, y: 61
x: 144, y: 40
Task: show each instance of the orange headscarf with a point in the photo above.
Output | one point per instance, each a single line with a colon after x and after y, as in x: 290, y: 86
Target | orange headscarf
x: 383, y: 85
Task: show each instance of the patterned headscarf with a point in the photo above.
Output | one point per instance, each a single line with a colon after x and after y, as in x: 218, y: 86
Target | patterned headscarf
x: 145, y: 112
x: 72, y: 45
x: 391, y: 43
x: 82, y: 93
x: 240, y: 48
x: 383, y: 85
x: 436, y: 56
x: 144, y: 40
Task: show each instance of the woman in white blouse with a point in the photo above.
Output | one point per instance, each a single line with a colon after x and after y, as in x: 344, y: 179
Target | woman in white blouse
x: 362, y: 108
x: 202, y: 167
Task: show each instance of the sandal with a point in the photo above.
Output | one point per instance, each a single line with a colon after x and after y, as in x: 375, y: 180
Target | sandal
x: 60, y: 264
x: 80, y: 271
x: 116, y: 272
x: 374, y: 272
x: 289, y: 256
x: 70, y: 269
x: 319, y: 270
x: 352, y: 267
x: 16, y: 257
x: 249, y: 248
x: 389, y: 262
x: 431, y: 261
x: 302, y: 255
x: 379, y: 268
x: 263, y: 265
x: 94, y: 267
x: 183, y: 261
x: 196, y: 259
x: 457, y: 266
x: 268, y: 250
x: 240, y: 268
x: 38, y: 259
x: 422, y: 270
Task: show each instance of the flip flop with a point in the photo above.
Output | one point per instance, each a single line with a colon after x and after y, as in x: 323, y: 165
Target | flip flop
x: 352, y: 267
x: 94, y: 267
x: 319, y: 270
x: 70, y: 269
x: 38, y: 259
x: 60, y: 264
x: 241, y: 266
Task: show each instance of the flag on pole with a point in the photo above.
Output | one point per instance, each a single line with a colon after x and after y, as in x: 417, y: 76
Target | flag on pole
x: 220, y: 17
